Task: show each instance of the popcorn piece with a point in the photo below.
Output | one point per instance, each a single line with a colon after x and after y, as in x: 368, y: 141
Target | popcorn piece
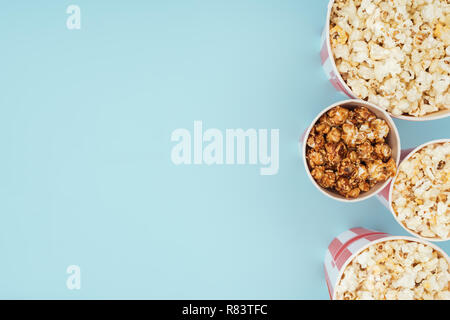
x: 318, y: 172
x: 335, y: 152
x: 329, y: 179
x: 354, y: 193
x: 360, y: 173
x: 322, y: 128
x: 365, y: 151
x: 316, y: 141
x: 362, y: 115
x: 338, y: 36
x: 380, y: 129
x: 338, y: 116
x: 316, y: 158
x: 364, y: 186
x: 334, y: 135
x: 421, y: 192
x: 343, y: 186
x: 349, y: 134
x: 383, y: 151
x: 346, y: 168
x: 377, y: 52
x: 396, y: 270
x: 376, y: 170
x: 394, y: 53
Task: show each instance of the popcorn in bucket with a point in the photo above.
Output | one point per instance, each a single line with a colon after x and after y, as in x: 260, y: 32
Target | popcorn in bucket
x: 390, y: 54
x: 351, y: 150
x: 366, y: 264
x: 418, y: 196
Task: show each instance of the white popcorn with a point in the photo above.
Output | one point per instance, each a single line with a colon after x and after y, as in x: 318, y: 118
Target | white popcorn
x: 406, y: 295
x: 377, y: 52
x: 413, y: 222
x: 441, y: 83
x: 366, y: 72
x: 421, y: 192
x: 368, y: 7
x: 360, y: 52
x: 342, y: 51
x: 423, y: 81
x: 360, y: 87
x: 356, y: 35
x: 364, y: 260
x: 413, y: 94
x: 390, y: 66
x: 390, y: 85
x: 395, y: 270
x: 401, y: 48
x: 430, y: 13
x: 401, y: 107
x: 408, y: 280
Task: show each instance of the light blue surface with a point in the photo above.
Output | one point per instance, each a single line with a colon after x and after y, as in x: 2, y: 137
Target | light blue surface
x: 86, y: 176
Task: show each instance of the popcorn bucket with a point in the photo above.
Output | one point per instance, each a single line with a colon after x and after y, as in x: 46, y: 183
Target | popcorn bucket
x: 334, y: 76
x: 385, y: 195
x: 345, y: 247
x: 393, y: 140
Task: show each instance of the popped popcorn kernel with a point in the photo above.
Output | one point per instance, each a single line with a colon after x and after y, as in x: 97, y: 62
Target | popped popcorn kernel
x: 338, y: 35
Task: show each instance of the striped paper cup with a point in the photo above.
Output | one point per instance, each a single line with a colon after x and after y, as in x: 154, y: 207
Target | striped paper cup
x: 345, y: 247
x: 385, y: 196
x: 329, y: 66
x: 393, y: 140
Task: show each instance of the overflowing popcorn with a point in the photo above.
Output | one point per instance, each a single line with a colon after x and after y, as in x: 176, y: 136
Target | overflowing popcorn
x: 396, y: 270
x: 347, y: 151
x: 394, y: 53
x: 421, y: 192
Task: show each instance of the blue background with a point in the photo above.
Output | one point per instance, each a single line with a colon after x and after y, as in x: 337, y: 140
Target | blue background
x: 85, y: 171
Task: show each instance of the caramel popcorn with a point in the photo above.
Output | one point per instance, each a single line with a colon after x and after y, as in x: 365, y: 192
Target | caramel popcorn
x: 394, y: 53
x: 396, y: 270
x: 421, y: 192
x: 383, y: 151
x: 347, y: 152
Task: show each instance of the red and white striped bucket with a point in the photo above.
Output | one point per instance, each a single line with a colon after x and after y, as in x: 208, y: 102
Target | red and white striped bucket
x: 345, y: 247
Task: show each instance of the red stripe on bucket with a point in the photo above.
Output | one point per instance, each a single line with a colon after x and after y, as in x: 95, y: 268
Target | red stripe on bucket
x: 327, y: 279
x: 344, y: 255
x: 335, y: 247
x: 374, y: 237
x: 361, y: 231
x: 324, y: 52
